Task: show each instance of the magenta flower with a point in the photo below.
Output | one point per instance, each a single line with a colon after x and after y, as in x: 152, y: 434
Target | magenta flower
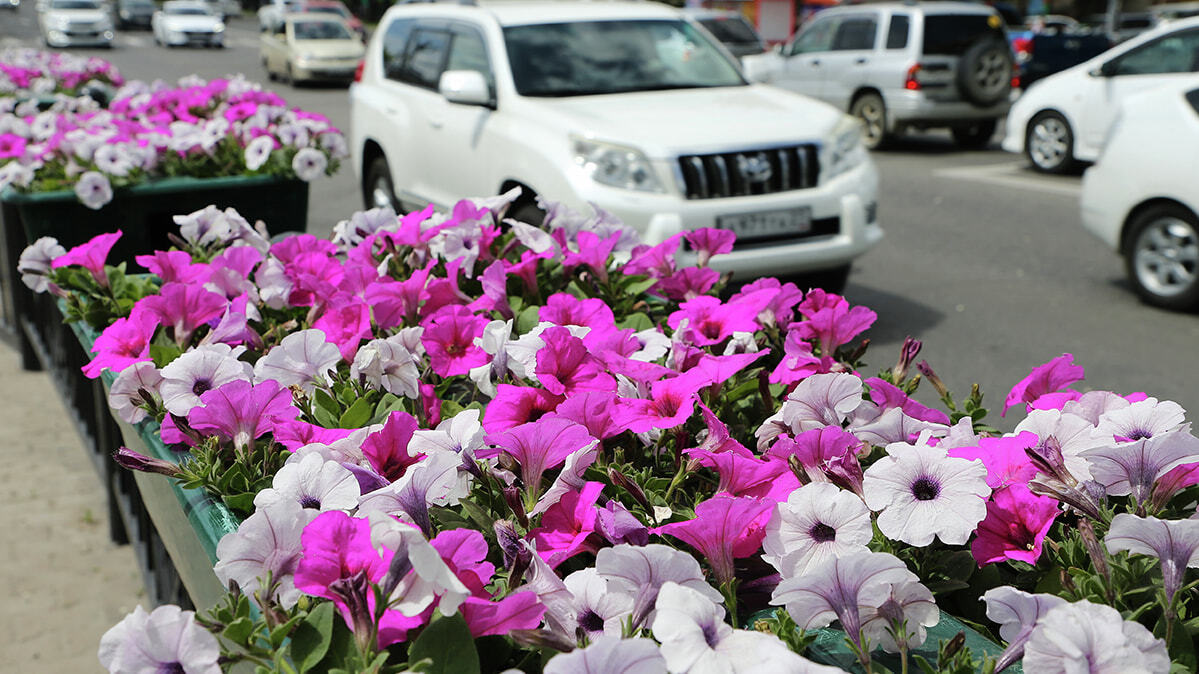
x: 516, y: 405
x: 595, y: 410
x: 798, y: 361
x: 831, y: 320
x: 781, y: 309
x: 565, y: 366
x: 1005, y: 457
x: 672, y: 403
x: 90, y: 256
x: 687, y: 283
x: 567, y: 526
x: 725, y: 528
x: 566, y: 309
x: 708, y: 242
x: 242, y: 412
x: 1174, y: 542
x: 539, y: 446
x: 1015, y: 527
x: 657, y: 261
x: 387, y: 449
x: 346, y: 321
x: 1047, y: 378
x: 11, y: 145
x: 887, y: 396
x: 182, y: 308
x: 521, y: 610
x: 449, y: 338
x: 827, y: 454
x: 592, y: 252
x: 396, y: 303
x: 742, y: 475
x: 710, y: 321
x: 173, y: 266
x: 123, y: 343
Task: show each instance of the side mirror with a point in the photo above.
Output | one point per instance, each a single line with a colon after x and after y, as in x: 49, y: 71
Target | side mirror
x: 1106, y: 69
x: 466, y: 87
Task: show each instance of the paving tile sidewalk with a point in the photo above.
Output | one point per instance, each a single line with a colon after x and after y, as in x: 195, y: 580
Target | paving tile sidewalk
x: 66, y: 582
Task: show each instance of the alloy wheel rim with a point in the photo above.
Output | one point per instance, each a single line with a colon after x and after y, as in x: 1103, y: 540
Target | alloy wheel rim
x: 381, y: 195
x: 1167, y: 256
x: 872, y: 119
x: 1048, y: 142
x: 991, y: 72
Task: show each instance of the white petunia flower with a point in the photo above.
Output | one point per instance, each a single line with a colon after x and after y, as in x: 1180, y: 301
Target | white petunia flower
x: 94, y: 190
x: 125, y: 396
x: 258, y: 151
x: 817, y: 521
x: 35, y: 261
x: 201, y: 369
x: 1092, y: 638
x: 301, y: 359
x: 922, y: 492
x: 309, y: 164
x: 266, y: 542
x: 387, y: 364
x: 313, y: 483
x: 167, y: 640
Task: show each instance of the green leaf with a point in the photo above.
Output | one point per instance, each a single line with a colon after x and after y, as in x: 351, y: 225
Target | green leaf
x: 239, y: 630
x: 310, y: 641
x: 358, y: 414
x: 639, y: 287
x: 477, y: 514
x: 527, y: 319
x: 163, y: 354
x: 638, y: 321
x: 448, y: 643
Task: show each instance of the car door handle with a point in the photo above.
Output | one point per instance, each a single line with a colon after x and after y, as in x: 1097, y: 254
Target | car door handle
x: 390, y: 110
x: 436, y: 123
x: 860, y: 61
x: 815, y: 62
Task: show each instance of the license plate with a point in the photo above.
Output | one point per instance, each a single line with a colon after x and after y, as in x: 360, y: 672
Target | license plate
x: 765, y: 224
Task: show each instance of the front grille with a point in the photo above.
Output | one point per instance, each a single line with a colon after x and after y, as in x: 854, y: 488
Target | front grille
x: 736, y: 174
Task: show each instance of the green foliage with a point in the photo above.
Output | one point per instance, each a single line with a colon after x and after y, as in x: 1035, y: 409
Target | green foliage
x: 445, y: 646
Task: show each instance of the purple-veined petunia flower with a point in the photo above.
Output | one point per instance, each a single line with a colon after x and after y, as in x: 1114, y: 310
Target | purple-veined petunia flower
x: 898, y: 622
x: 389, y: 365
x: 184, y: 307
x: 566, y: 367
x: 840, y: 588
x: 816, y: 522
x: 1048, y: 378
x: 640, y: 571
x: 1072, y: 433
x: 1174, y: 542
x: 827, y: 454
x: 198, y: 371
x: 90, y: 255
x: 461, y: 434
x: 1015, y: 527
x: 596, y: 610
x: 313, y: 483
x: 892, y: 425
x: 567, y: 526
x: 541, y: 445
x: 725, y: 528
x: 1086, y: 637
x: 241, y: 412
x: 610, y: 655
x: 93, y: 190
x: 709, y: 241
x: 493, y: 342
x: 449, y: 338
x: 432, y: 481
x: 301, y: 359
x: 569, y: 479
x: 309, y: 163
x: 1134, y: 467
x: 818, y: 401
x: 37, y: 260
x: 123, y: 343
x: 166, y: 640
x: 922, y: 492
x: 126, y: 396
x: 694, y: 638
x: 1142, y: 419
x: 267, y: 542
x: 430, y: 580
x: 1017, y: 613
x: 258, y: 151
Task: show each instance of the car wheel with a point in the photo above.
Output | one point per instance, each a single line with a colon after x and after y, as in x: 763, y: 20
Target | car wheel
x: 985, y: 72
x: 288, y: 77
x: 976, y: 136
x: 377, y: 189
x: 526, y: 211
x: 1049, y: 143
x: 870, y: 109
x: 1162, y: 257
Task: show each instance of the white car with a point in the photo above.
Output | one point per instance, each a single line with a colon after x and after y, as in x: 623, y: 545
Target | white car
x: 628, y: 106
x: 188, y: 22
x: 71, y: 23
x: 311, y: 47
x: 1142, y: 196
x: 1065, y: 117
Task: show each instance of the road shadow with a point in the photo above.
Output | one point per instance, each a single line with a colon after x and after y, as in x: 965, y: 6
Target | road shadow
x: 898, y: 316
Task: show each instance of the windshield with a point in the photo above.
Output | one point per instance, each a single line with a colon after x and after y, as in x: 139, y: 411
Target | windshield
x: 320, y: 30
x: 731, y: 30
x: 74, y: 4
x: 330, y: 9
x: 186, y: 11
x: 953, y: 34
x: 607, y: 57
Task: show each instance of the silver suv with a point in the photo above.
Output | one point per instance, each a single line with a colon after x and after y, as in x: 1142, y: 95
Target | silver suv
x: 901, y: 65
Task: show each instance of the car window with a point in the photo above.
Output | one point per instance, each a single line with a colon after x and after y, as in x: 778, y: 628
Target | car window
x: 897, y: 32
x: 582, y: 58
x: 855, y: 33
x: 424, y: 59
x: 469, y: 52
x: 320, y: 30
x: 731, y: 30
x: 953, y: 34
x: 1175, y: 53
x: 394, y: 42
x: 818, y: 36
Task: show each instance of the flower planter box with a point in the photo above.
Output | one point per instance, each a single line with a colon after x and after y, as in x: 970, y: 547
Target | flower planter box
x: 143, y: 212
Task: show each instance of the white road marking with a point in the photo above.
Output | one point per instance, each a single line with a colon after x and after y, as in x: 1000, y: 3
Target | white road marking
x: 1012, y: 174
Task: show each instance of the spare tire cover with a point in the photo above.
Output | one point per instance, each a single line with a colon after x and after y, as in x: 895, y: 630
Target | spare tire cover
x: 984, y: 75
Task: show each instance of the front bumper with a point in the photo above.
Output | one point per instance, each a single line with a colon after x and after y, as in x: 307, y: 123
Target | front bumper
x: 844, y: 214
x: 69, y: 38
x: 917, y: 107
x: 194, y: 39
x: 332, y: 70
x: 1102, y: 206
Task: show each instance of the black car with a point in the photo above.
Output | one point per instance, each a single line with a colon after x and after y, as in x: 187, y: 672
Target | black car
x: 732, y: 29
x: 132, y: 13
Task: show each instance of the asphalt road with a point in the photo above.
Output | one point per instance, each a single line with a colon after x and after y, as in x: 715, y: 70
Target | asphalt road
x: 985, y: 261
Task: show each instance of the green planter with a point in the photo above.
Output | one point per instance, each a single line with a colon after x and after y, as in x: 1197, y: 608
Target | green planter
x: 145, y: 212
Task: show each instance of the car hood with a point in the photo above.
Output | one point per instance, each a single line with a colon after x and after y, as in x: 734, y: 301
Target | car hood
x: 185, y: 22
x: 664, y: 124
x: 329, y: 49
x: 80, y: 15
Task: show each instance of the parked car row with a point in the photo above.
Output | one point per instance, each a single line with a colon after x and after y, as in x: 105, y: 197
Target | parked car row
x: 90, y: 23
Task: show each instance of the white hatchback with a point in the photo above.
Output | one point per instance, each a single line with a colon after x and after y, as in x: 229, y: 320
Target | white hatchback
x: 628, y: 106
x: 1065, y: 117
x: 1142, y: 196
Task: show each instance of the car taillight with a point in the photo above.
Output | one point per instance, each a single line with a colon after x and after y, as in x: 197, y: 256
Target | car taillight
x: 1022, y: 47
x: 911, y: 83
x: 358, y: 70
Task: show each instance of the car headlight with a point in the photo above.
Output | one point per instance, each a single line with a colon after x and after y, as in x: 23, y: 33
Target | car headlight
x: 104, y: 24
x: 616, y: 165
x: 219, y: 28
x: 844, y: 147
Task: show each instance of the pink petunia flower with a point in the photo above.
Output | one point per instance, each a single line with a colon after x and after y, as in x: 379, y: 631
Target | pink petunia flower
x: 241, y: 412
x: 566, y: 367
x: 1005, y: 457
x: 567, y: 526
x: 449, y: 338
x: 184, y: 307
x: 516, y: 405
x: 1015, y: 527
x: 123, y: 343
x: 90, y: 255
x: 725, y: 528
x: 708, y: 242
x: 1044, y: 379
x: 831, y: 320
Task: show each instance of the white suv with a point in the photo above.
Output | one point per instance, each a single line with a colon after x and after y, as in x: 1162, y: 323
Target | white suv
x: 628, y: 106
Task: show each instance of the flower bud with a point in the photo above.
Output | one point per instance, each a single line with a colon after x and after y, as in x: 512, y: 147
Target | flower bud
x: 927, y: 370
x: 513, y: 497
x: 907, y: 353
x: 542, y: 639
x: 1094, y: 550
x: 627, y: 484
x: 127, y: 458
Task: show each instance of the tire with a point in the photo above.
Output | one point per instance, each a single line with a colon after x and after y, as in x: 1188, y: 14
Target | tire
x: 287, y: 77
x: 527, y: 211
x: 977, y: 136
x: 830, y: 280
x: 984, y: 75
x: 1162, y: 257
x: 1049, y: 143
x: 377, y: 188
x: 871, y: 110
